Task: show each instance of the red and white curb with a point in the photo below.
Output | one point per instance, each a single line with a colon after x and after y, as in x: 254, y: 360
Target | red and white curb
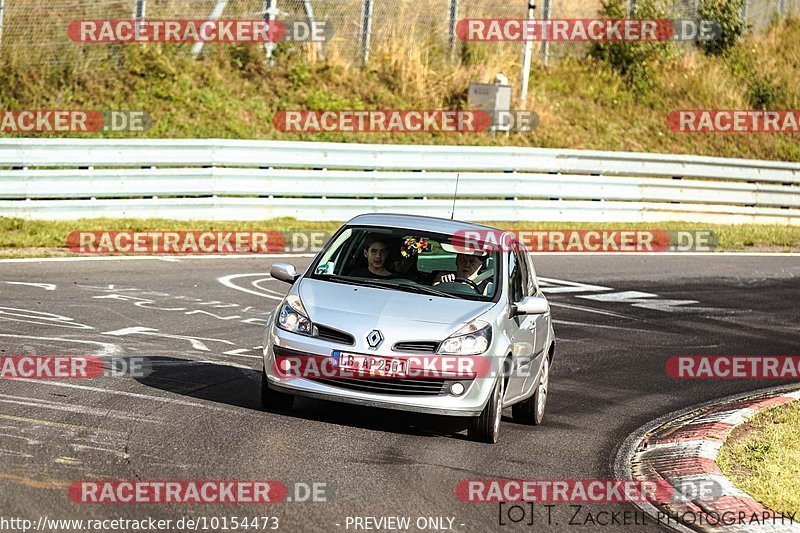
x: 680, y: 450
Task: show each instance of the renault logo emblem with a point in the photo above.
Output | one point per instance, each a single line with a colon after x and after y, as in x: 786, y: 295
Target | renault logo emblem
x: 374, y: 338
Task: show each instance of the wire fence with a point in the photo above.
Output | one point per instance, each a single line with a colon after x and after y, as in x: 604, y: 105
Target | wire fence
x: 363, y: 30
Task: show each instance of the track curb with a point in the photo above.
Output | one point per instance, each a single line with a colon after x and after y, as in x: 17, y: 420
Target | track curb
x: 680, y: 450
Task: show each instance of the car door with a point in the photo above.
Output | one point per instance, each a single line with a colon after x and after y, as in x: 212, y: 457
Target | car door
x: 542, y: 321
x: 521, y: 327
x: 540, y: 326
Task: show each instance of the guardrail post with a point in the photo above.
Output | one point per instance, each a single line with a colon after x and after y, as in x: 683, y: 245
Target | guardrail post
x: 2, y: 8
x: 309, y: 9
x: 139, y: 13
x: 526, y: 60
x: 452, y: 33
x: 366, y: 30
x: 270, y: 10
x: 545, y: 40
x: 219, y: 7
x: 780, y: 8
x: 140, y: 10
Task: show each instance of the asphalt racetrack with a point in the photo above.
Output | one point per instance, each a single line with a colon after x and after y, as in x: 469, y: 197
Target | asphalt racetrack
x: 196, y: 414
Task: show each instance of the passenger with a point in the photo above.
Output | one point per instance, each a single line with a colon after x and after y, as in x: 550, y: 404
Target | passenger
x: 406, y: 267
x: 376, y: 252
x: 405, y: 263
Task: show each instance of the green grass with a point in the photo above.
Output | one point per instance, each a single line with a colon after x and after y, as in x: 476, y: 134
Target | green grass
x: 41, y: 238
x: 762, y: 457
x: 583, y: 103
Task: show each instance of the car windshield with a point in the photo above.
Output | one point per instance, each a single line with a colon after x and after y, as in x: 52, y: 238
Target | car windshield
x: 411, y: 261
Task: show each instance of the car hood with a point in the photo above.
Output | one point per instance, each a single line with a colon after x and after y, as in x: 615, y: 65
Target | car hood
x: 399, y: 315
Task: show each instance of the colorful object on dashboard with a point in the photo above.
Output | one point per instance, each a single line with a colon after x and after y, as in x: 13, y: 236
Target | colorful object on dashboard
x: 412, y: 246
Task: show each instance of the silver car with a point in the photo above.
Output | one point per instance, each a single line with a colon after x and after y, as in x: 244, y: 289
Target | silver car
x: 459, y: 303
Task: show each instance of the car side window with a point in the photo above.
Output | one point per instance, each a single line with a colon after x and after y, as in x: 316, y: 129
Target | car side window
x: 515, y: 278
x: 525, y: 279
x: 534, y: 277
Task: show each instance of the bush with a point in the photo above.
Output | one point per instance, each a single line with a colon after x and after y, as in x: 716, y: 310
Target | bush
x: 728, y: 14
x: 633, y: 61
x: 765, y: 92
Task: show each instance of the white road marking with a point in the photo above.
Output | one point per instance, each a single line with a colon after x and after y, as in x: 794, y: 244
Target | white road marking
x: 646, y: 300
x: 602, y: 326
x: 83, y: 447
x: 196, y: 342
x: 45, y: 286
x: 72, y: 408
x: 3, y: 451
x: 185, y: 362
x: 108, y: 349
x: 161, y: 399
x: 29, y: 441
x: 228, y: 282
x: 560, y: 286
x: 590, y: 310
x: 39, y: 318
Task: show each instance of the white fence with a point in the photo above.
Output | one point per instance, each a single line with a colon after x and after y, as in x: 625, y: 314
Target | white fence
x: 254, y: 180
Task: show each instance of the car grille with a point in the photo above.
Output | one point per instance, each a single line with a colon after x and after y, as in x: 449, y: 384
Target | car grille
x: 405, y: 387
x: 416, y: 346
x: 334, y: 335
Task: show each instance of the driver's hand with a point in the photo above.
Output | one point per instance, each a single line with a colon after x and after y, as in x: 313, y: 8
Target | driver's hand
x: 446, y: 278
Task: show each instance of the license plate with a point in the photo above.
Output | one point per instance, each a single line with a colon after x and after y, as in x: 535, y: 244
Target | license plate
x: 370, y: 365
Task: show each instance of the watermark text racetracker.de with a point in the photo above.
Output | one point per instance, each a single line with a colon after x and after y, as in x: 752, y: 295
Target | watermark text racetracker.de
x: 588, y: 30
x: 404, y: 121
x: 592, y: 240
x: 74, y: 121
x: 195, y: 242
x: 71, y: 367
x: 199, y: 31
x: 563, y: 501
x: 733, y: 121
x: 194, y: 491
x: 733, y: 367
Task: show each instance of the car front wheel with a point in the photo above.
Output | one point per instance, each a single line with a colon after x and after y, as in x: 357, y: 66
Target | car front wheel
x: 486, y: 427
x: 531, y: 411
x: 272, y: 400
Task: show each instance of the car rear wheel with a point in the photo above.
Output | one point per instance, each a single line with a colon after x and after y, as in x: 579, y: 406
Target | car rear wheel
x: 272, y: 400
x: 531, y: 411
x: 486, y: 427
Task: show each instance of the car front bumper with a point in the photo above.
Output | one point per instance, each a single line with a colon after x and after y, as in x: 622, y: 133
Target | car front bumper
x: 468, y: 404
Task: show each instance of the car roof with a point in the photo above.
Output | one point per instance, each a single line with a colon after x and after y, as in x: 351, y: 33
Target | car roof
x: 415, y: 222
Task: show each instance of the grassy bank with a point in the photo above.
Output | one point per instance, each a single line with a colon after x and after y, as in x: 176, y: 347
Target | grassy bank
x: 29, y: 238
x: 583, y: 103
x: 762, y: 458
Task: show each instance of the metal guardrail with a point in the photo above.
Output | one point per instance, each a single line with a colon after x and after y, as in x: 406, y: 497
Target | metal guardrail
x: 252, y: 180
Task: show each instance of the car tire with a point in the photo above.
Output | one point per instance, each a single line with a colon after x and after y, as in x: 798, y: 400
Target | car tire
x: 531, y: 411
x: 486, y: 427
x: 272, y: 400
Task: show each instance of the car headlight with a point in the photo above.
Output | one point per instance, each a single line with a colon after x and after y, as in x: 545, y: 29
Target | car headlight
x: 293, y: 317
x: 472, y: 339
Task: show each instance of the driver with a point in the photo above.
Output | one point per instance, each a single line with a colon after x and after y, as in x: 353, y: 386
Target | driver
x: 468, y: 266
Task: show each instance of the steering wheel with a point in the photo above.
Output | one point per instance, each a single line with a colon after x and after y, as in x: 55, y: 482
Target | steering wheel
x: 469, y: 282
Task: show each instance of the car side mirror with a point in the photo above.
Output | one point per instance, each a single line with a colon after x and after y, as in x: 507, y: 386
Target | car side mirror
x: 284, y: 272
x: 531, y: 305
